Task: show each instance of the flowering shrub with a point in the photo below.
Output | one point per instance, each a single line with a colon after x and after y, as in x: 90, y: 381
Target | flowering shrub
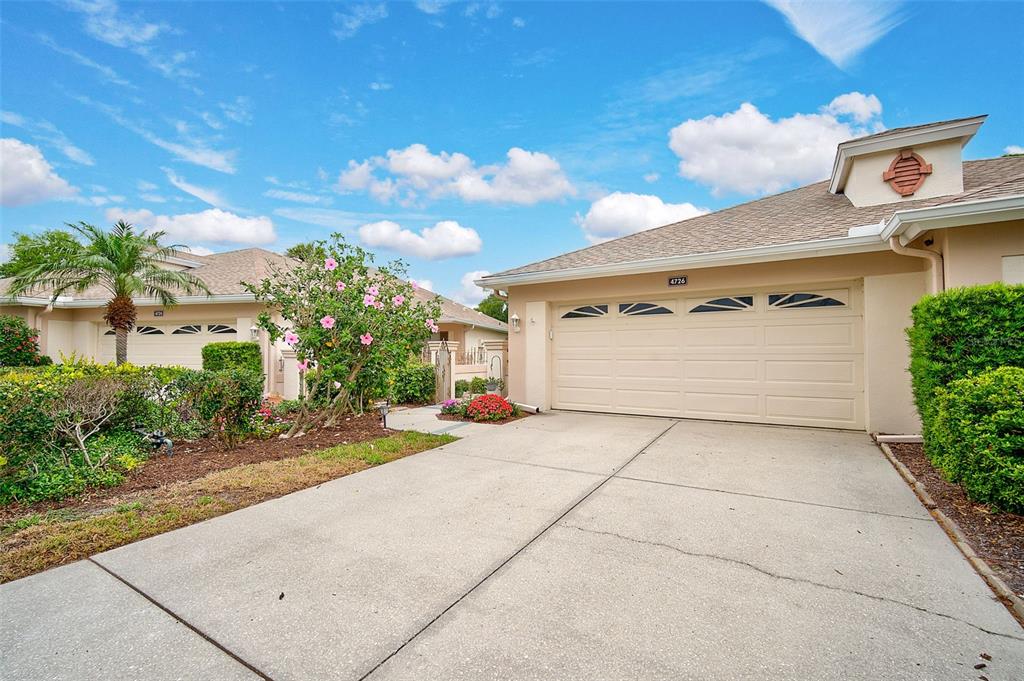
x: 19, y: 345
x: 489, y: 408
x: 453, y: 408
x: 352, y: 326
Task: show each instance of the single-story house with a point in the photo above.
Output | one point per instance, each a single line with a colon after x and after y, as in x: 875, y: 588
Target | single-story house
x: 787, y: 310
x: 175, y: 336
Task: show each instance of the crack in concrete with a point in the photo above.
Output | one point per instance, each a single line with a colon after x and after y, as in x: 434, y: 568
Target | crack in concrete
x: 770, y: 498
x: 788, y: 578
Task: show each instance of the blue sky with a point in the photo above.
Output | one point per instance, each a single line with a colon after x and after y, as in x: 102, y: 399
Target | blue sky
x: 467, y: 137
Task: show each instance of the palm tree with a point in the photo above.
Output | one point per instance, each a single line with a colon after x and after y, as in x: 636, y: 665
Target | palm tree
x: 124, y: 262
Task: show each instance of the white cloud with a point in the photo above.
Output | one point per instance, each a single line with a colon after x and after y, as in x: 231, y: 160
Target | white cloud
x: 212, y: 225
x: 518, y: 22
x: 239, y: 111
x: 199, y: 250
x: 348, y: 23
x: 469, y: 293
x: 861, y: 107
x: 651, y: 178
x: 745, y: 151
x: 1014, y: 149
x: 425, y: 283
x: 297, y: 197
x: 105, y: 22
x: 841, y: 29
x: 145, y: 186
x: 527, y: 177
x: 26, y: 177
x: 107, y: 73
x: 152, y: 198
x: 46, y: 132
x: 490, y: 10
x: 621, y: 213
x: 210, y: 196
x: 380, y: 86
x: 192, y: 150
x: 432, y: 6
x: 446, y: 239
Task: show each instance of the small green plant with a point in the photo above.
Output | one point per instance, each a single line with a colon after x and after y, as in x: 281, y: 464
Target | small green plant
x: 478, y: 385
x: 233, y: 355
x: 453, y: 408
x: 461, y: 387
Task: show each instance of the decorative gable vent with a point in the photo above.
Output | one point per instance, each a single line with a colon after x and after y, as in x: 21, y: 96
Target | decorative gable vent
x: 907, y: 172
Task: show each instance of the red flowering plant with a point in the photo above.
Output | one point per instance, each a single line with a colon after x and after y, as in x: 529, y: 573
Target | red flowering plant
x: 19, y: 345
x: 347, y: 320
x: 490, y: 408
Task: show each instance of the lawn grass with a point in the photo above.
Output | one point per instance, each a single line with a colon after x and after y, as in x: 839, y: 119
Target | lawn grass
x: 41, y: 541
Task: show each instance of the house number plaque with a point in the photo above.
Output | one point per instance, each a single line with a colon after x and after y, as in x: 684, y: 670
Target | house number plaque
x: 679, y: 280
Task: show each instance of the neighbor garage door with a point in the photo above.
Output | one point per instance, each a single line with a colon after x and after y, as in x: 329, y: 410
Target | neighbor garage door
x: 788, y: 355
x: 178, y: 344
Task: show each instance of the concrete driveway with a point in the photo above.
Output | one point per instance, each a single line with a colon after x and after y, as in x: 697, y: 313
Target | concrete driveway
x: 561, y: 546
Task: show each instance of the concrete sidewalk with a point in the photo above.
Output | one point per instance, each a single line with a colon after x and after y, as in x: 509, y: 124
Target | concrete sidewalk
x: 558, y: 546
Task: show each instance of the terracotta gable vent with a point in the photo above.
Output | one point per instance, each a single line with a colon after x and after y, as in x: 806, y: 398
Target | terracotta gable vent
x: 906, y: 173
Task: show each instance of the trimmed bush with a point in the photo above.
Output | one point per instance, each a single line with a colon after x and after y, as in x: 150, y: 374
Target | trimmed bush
x: 478, y: 385
x: 414, y: 384
x: 461, y: 387
x: 962, y: 332
x: 977, y: 436
x: 233, y: 355
x: 19, y: 345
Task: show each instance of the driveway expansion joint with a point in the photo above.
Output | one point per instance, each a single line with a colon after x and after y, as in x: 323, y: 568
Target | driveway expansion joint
x: 522, y: 463
x: 789, y: 578
x: 177, y: 618
x: 771, y: 498
x: 518, y: 551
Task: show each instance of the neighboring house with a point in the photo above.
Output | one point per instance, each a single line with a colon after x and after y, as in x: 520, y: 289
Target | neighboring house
x: 790, y: 309
x: 175, y: 336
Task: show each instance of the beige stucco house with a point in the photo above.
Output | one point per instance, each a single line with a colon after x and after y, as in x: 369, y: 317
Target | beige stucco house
x: 175, y: 336
x: 790, y: 309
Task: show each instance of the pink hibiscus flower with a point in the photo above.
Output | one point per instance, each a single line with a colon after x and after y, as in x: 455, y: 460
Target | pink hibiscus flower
x: 432, y: 326
x: 379, y: 305
x: 369, y: 300
x: 330, y: 264
x: 291, y: 338
x: 398, y: 300
x: 341, y: 286
x: 327, y: 322
x: 366, y: 339
x: 414, y: 284
x: 373, y: 291
x: 303, y: 365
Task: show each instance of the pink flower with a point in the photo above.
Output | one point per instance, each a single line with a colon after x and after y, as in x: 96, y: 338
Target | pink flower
x: 369, y: 300
x: 398, y: 300
x: 291, y: 338
x: 327, y: 322
x: 373, y: 291
x: 366, y: 339
x: 303, y: 365
x: 379, y: 305
x: 415, y: 286
x: 330, y: 264
x: 432, y: 326
x: 341, y: 286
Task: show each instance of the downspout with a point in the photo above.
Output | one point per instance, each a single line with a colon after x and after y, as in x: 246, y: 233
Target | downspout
x: 936, y: 285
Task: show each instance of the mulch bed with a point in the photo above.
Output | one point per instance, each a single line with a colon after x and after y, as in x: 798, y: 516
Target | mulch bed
x: 453, y: 417
x: 998, y: 538
x: 194, y: 459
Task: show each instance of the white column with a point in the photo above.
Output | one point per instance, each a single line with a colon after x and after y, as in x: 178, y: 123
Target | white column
x: 292, y: 377
x: 496, y: 358
x: 535, y: 327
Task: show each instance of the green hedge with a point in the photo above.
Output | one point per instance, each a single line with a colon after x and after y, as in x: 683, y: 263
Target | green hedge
x: 37, y: 463
x: 977, y: 436
x: 233, y: 355
x: 962, y: 332
x: 414, y: 384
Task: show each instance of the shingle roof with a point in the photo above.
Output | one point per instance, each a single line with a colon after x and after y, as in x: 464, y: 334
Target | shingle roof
x: 909, y: 128
x: 224, y: 273
x: 808, y: 213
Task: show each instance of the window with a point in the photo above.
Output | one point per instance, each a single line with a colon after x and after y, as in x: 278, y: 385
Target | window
x: 150, y: 331
x: 728, y: 304
x: 220, y: 328
x: 633, y: 309
x: 110, y: 332
x: 785, y: 300
x: 586, y: 311
x: 187, y: 329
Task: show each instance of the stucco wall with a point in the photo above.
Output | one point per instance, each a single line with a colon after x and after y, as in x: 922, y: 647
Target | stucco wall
x: 475, y: 336
x: 529, y: 348
x: 974, y: 255
x: 865, y: 186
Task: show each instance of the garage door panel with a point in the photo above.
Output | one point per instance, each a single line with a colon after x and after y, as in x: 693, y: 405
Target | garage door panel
x: 158, y: 344
x: 821, y: 409
x: 721, y: 369
x: 757, y: 362
x: 839, y: 372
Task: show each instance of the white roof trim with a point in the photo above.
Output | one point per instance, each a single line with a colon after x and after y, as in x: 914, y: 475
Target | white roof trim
x: 909, y: 224
x: 847, y: 151
x: 741, y: 256
x: 68, y: 302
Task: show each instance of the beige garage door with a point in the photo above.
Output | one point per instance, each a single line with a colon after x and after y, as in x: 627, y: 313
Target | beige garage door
x: 788, y: 355
x: 178, y: 344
